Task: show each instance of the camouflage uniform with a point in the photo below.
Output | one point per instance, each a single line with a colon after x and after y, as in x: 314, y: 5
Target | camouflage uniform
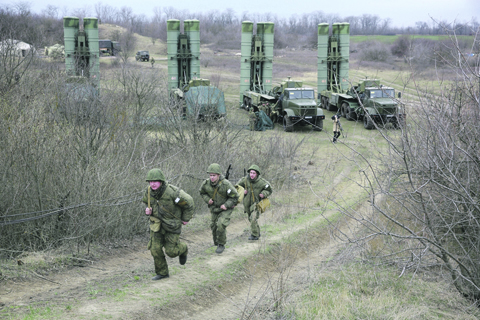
x: 336, y: 128
x: 170, y: 206
x: 252, y: 119
x: 265, y: 108
x: 221, y: 192
x: 254, y: 188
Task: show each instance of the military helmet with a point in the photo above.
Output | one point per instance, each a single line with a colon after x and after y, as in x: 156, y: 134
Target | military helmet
x: 155, y: 175
x: 214, y: 168
x: 254, y: 167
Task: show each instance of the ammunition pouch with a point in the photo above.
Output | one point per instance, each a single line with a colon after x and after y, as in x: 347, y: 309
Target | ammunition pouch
x: 263, y: 205
x: 155, y: 224
x: 240, y: 191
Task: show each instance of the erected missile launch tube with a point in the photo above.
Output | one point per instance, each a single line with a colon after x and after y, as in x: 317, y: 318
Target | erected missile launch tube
x: 173, y: 31
x: 266, y: 29
x: 322, y: 55
x: 256, y: 63
x: 246, y: 52
x: 192, y: 30
x: 342, y: 31
x: 70, y: 30
x: 90, y: 26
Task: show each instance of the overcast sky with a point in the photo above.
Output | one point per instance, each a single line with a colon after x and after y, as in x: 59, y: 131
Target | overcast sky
x: 402, y: 13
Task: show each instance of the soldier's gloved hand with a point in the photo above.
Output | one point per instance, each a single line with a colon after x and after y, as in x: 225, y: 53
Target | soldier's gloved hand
x: 260, y: 195
x: 223, y: 207
x: 245, y: 192
x: 184, y: 222
x: 210, y: 201
x: 148, y: 211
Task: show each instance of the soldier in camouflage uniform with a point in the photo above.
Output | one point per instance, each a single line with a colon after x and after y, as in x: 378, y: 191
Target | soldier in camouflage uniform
x: 170, y: 208
x: 265, y: 108
x: 336, y: 127
x: 256, y: 189
x: 252, y: 119
x: 221, y: 197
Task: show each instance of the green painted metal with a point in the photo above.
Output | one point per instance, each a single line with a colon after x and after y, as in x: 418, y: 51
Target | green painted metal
x: 183, y: 50
x: 90, y: 25
x: 70, y: 30
x: 192, y: 30
x: 246, y: 49
x: 205, y: 102
x: 201, y: 100
x: 256, y: 64
x: 344, y: 35
x: 268, y: 39
x: 342, y: 32
x: 333, y: 68
x: 173, y: 31
x: 82, y: 49
x: 322, y: 55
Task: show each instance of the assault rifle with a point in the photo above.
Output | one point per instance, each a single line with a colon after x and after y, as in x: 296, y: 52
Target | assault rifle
x: 227, y: 174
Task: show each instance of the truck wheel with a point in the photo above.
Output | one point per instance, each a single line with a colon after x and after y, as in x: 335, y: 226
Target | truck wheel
x: 349, y: 114
x: 329, y: 106
x: 287, y: 124
x: 324, y: 102
x: 318, y: 126
x: 343, y: 110
x: 245, y: 103
x: 367, y: 122
x: 353, y: 115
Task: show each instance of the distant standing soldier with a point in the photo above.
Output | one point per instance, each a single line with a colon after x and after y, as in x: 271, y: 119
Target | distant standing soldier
x: 256, y: 189
x: 252, y: 119
x: 336, y: 128
x: 221, y: 197
x: 265, y: 108
x: 152, y: 61
x: 169, y: 208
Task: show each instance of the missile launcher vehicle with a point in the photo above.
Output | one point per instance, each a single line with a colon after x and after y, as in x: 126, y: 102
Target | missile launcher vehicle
x: 289, y: 103
x: 369, y: 100
x: 199, y: 98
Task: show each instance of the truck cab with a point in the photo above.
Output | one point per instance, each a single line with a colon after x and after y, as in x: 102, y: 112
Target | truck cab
x: 380, y: 105
x: 296, y: 105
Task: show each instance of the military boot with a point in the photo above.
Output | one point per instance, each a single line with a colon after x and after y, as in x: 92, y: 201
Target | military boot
x: 182, y: 258
x: 252, y: 237
x: 220, y: 248
x: 159, y: 277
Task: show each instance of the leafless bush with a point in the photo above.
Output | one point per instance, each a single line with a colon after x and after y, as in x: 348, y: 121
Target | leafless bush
x: 401, y: 47
x: 375, y: 51
x: 73, y: 165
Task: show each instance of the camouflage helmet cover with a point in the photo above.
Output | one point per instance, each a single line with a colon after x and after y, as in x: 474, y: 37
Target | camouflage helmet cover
x: 155, y: 175
x: 254, y: 167
x: 214, y: 168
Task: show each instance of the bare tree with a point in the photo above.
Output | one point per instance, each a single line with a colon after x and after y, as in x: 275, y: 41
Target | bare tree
x: 127, y: 44
x: 424, y: 190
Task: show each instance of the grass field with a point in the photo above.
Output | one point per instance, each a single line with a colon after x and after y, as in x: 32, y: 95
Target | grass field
x: 390, y: 39
x: 301, y: 271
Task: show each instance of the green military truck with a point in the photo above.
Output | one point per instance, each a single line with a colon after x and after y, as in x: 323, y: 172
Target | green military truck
x: 290, y: 103
x: 369, y: 101
x: 142, y: 56
x: 108, y: 47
